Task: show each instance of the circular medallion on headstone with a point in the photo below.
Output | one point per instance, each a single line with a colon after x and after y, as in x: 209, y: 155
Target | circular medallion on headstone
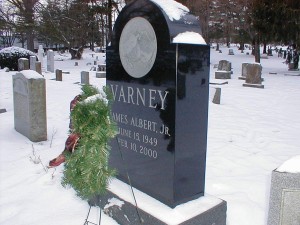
x: 138, y: 47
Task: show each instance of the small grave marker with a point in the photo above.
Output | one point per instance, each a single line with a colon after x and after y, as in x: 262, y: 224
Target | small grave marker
x: 23, y: 64
x: 32, y: 62
x: 58, y: 75
x: 85, y: 77
x: 38, y: 67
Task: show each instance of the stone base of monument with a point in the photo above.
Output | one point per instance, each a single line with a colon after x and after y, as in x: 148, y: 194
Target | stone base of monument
x: 101, y: 74
x: 223, y: 75
x: 119, y: 204
x: 244, y: 78
x: 284, y: 205
x: 254, y: 85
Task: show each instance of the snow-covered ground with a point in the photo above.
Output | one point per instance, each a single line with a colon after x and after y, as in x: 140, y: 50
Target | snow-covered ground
x: 252, y: 132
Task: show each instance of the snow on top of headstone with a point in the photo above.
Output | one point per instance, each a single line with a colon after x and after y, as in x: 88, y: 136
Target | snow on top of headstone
x: 290, y: 166
x: 189, y: 38
x: 173, y: 9
x: 31, y: 74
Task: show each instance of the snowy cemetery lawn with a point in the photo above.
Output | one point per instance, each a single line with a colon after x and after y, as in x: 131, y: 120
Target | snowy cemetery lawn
x: 252, y: 132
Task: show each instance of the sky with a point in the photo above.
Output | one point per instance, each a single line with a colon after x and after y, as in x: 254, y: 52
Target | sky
x: 252, y: 132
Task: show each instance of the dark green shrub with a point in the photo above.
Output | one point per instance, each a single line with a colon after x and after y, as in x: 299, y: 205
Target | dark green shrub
x: 9, y: 57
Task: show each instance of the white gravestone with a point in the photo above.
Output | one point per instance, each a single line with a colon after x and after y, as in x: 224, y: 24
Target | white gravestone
x: 41, y: 55
x: 29, y: 94
x: 32, y: 62
x: 50, y: 61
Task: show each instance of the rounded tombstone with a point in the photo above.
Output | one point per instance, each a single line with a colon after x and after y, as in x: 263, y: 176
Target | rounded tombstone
x: 157, y: 68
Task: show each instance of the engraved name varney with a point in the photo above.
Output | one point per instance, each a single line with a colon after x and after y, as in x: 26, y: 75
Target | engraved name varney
x: 140, y: 96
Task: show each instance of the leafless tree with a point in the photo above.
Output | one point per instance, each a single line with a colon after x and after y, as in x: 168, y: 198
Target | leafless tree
x: 25, y: 10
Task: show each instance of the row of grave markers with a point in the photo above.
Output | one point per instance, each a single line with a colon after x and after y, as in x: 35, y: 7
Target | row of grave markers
x: 23, y: 64
x: 251, y: 73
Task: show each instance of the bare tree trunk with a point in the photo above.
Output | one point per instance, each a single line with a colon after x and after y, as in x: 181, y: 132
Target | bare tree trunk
x: 265, y: 48
x: 257, y: 50
x: 30, y: 40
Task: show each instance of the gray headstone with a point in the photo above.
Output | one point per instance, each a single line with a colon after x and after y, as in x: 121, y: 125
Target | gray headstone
x: 101, y: 74
x: 23, y: 64
x: 284, y: 204
x: 76, y: 64
x: 41, y: 55
x: 224, y: 65
x: 32, y: 62
x: 58, y: 75
x: 224, y: 70
x: 38, y: 67
x: 29, y: 94
x: 230, y: 52
x: 217, y: 96
x: 253, y: 75
x: 50, y: 61
x: 244, y: 71
x: 85, y: 77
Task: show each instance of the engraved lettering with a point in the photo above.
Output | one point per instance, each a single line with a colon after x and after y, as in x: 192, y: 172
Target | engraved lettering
x: 146, y: 97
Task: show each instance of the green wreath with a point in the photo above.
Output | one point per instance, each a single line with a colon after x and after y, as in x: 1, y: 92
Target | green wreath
x: 86, y: 169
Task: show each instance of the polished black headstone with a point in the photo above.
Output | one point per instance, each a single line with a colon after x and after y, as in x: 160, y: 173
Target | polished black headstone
x: 161, y: 111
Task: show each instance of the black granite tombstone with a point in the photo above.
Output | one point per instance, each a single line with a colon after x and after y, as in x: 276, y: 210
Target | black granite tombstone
x: 160, y: 92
